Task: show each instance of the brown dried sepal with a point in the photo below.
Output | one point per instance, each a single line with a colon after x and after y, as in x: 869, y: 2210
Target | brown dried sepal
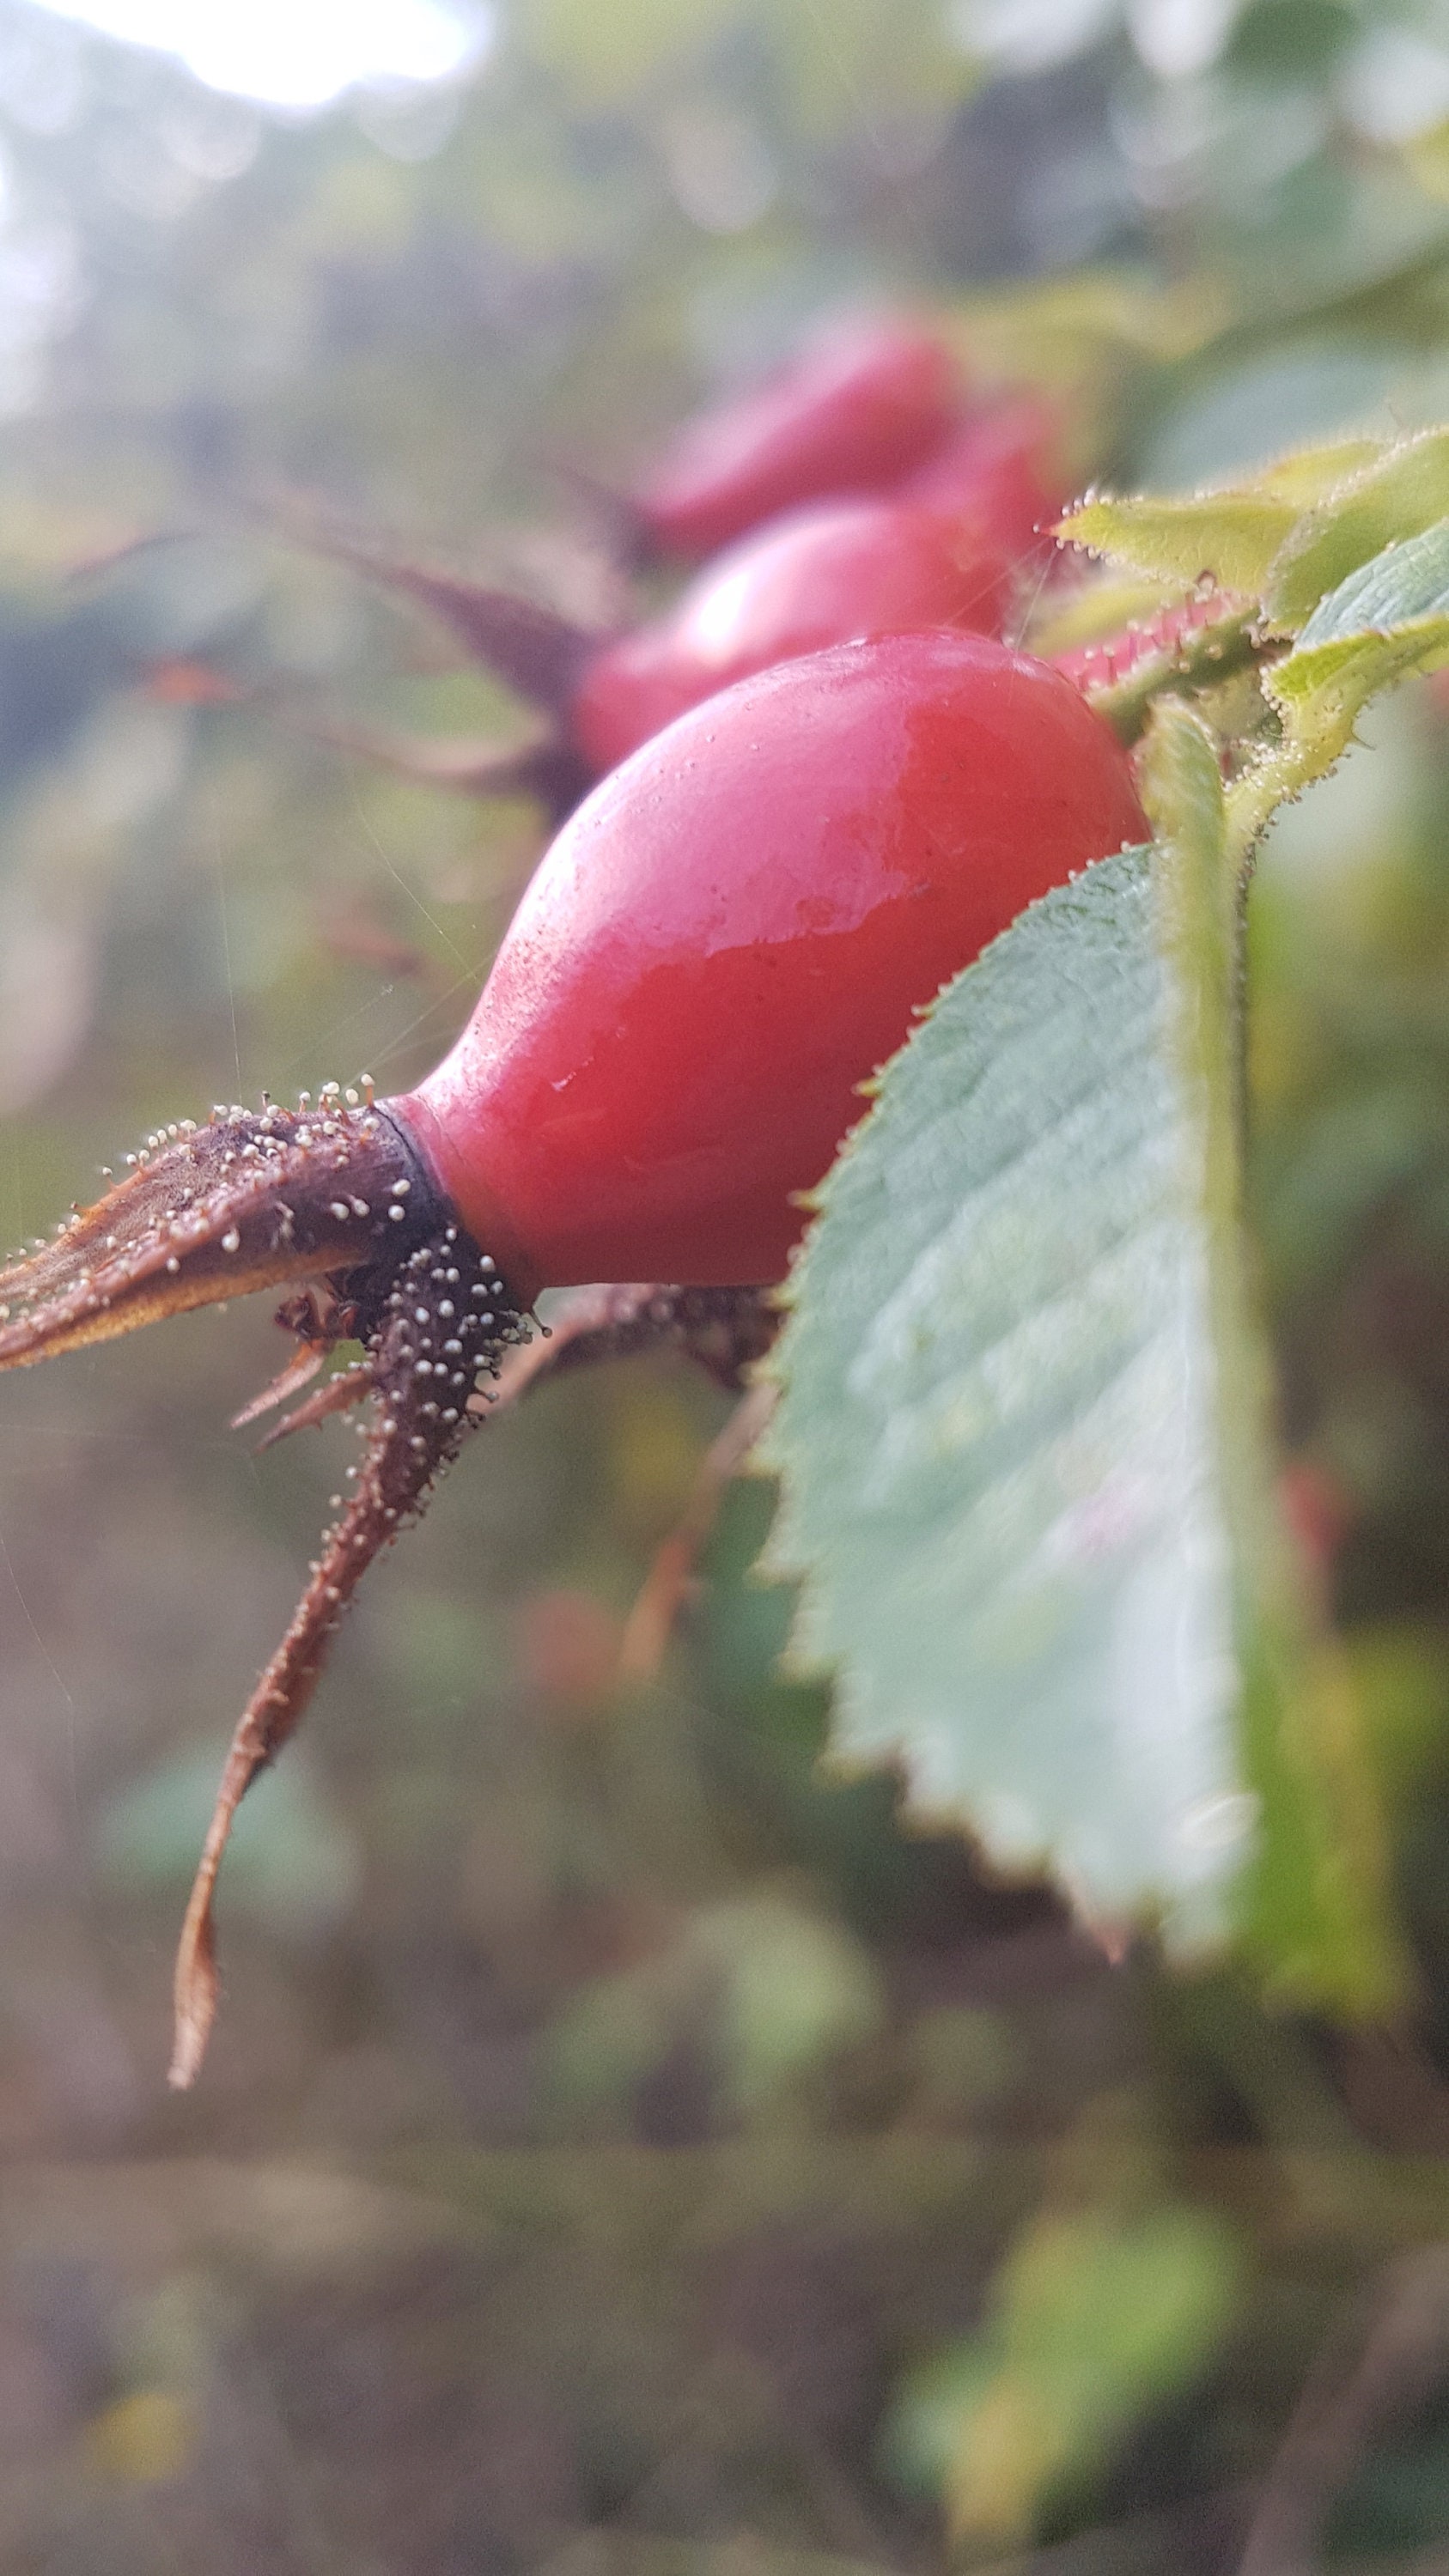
x: 251, y: 1200
x: 538, y: 652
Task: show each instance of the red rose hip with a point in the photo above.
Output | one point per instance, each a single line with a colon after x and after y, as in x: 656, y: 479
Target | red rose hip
x: 999, y: 465
x: 818, y: 576
x: 856, y: 411
x: 733, y: 931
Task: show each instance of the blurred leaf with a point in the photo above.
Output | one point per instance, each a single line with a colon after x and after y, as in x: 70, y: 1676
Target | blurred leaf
x: 292, y: 1859
x: 1275, y: 40
x: 1094, y: 2323
x: 1231, y: 536
x: 873, y: 64
x: 1055, y: 327
x: 1399, y: 495
x: 144, y: 2439
x: 1401, y: 1676
x: 798, y: 1991
x: 1234, y: 419
x: 828, y: 79
x: 1388, y: 617
x: 769, y: 1990
x: 607, y: 54
x: 1025, y: 1480
x: 1427, y: 155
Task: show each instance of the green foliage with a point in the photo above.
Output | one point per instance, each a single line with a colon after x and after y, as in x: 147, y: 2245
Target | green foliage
x: 1094, y: 2320
x: 1288, y: 537
x: 769, y: 1992
x: 606, y: 57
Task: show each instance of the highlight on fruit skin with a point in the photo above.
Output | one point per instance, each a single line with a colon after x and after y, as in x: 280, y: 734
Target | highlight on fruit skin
x: 334, y: 1201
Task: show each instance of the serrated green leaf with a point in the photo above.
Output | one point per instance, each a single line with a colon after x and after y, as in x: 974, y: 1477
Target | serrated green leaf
x: 1231, y: 537
x: 1307, y: 474
x: 1291, y: 535
x: 1024, y: 1474
x: 1404, y: 492
x: 1404, y: 588
x: 1390, y: 617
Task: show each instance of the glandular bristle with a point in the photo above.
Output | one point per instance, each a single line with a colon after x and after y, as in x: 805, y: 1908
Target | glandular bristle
x: 435, y: 1328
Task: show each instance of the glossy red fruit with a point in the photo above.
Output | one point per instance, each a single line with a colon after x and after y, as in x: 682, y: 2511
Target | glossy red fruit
x: 1000, y: 465
x: 733, y: 931
x: 857, y: 410
x: 816, y: 577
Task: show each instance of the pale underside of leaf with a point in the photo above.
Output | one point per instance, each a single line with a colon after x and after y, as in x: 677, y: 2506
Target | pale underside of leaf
x: 995, y: 1430
x: 1020, y: 1434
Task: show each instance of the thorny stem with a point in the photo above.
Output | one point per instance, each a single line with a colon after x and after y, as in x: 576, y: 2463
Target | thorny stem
x: 412, y: 1439
x: 1197, y: 644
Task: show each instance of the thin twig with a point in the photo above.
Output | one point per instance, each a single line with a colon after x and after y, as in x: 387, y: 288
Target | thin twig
x: 657, y: 1604
x: 1380, y: 2366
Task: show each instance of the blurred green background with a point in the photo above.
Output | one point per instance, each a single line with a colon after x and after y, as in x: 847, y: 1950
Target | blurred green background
x: 623, y: 2148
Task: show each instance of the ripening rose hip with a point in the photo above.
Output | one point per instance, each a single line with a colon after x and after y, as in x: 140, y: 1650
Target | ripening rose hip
x: 819, y: 576
x: 947, y: 546
x: 726, y: 939
x: 859, y: 408
x: 733, y: 931
x: 998, y: 465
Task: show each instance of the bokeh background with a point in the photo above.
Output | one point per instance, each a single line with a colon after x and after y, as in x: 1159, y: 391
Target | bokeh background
x: 625, y: 2148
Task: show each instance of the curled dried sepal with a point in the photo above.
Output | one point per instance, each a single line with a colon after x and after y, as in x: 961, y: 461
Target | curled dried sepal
x: 334, y: 1201
x: 536, y: 651
x: 439, y: 1332
x: 547, y: 768
x: 249, y: 1201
